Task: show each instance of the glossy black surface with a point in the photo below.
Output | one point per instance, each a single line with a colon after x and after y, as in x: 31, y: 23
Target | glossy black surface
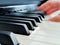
x: 31, y: 16
x: 6, y: 38
x: 28, y: 23
x: 18, y: 28
x: 25, y: 19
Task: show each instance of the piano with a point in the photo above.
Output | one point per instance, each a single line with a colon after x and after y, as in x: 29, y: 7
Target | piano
x: 21, y: 19
x: 7, y: 38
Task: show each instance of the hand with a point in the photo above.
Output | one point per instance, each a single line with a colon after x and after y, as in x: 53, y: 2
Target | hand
x: 50, y: 6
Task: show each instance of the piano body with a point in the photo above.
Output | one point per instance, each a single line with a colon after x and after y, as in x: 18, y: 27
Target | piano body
x: 28, y: 25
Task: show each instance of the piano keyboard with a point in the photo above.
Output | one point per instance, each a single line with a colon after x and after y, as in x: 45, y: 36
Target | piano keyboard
x: 18, y: 24
x: 44, y: 33
x: 22, y: 24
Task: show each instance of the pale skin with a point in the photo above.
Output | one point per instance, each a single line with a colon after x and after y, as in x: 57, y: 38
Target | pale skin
x: 50, y: 7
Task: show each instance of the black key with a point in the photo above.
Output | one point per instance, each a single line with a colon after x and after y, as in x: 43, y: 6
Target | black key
x: 24, y: 16
x: 25, y: 19
x: 18, y: 28
x: 33, y: 22
x: 36, y: 15
x: 42, y: 13
x: 41, y: 18
x: 8, y: 38
x: 32, y: 16
x: 28, y: 23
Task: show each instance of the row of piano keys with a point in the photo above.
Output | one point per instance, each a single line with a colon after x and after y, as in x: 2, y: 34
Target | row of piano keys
x: 23, y: 24
x: 18, y: 24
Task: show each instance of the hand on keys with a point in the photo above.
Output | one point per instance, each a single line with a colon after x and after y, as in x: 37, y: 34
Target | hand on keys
x: 50, y: 7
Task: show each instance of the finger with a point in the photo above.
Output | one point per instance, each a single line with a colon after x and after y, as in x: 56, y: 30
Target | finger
x: 51, y: 11
x: 59, y: 5
x: 43, y: 6
x: 48, y: 5
x: 52, y: 5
